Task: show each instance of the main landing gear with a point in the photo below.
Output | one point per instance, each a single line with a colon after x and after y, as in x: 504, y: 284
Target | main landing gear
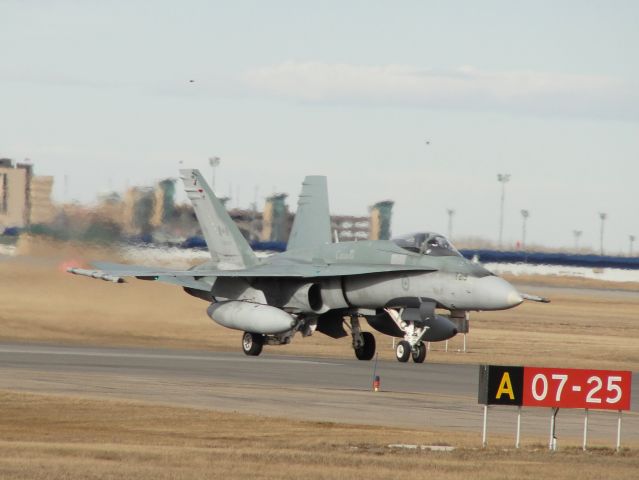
x: 252, y: 343
x: 363, y: 342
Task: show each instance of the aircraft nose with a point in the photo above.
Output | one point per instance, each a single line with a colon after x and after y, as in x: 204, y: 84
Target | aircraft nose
x: 498, y: 294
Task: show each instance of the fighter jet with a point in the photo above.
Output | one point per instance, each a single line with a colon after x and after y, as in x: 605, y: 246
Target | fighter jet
x: 416, y: 287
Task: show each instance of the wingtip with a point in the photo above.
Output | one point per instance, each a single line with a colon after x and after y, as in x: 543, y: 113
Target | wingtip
x: 97, y: 274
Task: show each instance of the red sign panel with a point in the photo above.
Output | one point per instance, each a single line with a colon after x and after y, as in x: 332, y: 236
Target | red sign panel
x: 574, y: 388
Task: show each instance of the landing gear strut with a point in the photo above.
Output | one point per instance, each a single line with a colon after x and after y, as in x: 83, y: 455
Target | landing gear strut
x: 363, y: 342
x: 252, y: 343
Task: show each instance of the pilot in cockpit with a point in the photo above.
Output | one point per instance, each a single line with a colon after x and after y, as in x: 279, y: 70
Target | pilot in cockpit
x: 426, y: 243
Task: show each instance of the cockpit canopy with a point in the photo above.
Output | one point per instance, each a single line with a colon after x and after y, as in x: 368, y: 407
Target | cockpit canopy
x: 426, y: 243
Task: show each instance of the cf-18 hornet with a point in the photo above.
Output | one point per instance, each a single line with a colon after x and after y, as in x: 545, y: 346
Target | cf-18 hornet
x: 415, y: 287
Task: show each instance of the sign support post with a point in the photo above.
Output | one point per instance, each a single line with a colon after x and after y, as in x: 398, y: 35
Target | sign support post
x: 518, y: 426
x: 483, y: 436
x: 552, y: 445
x: 619, y: 432
x: 585, y: 430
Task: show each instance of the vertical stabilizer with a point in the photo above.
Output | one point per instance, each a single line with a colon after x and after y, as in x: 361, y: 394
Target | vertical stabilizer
x: 226, y: 243
x: 312, y: 224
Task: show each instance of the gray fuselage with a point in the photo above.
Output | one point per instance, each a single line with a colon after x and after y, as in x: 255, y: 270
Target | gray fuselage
x: 452, y: 281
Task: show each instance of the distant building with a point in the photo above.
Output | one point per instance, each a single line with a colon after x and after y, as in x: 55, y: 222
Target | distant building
x: 381, y: 216
x: 25, y: 198
x: 139, y: 205
x: 349, y: 228
x: 249, y: 221
x: 376, y: 227
x: 276, y: 219
x: 42, y: 211
x: 164, y: 202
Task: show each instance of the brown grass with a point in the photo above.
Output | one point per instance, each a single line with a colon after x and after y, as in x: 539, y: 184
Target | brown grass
x: 54, y: 437
x: 61, y: 437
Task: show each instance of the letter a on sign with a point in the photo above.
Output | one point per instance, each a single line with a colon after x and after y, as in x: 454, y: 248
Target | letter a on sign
x: 505, y: 387
x: 500, y: 385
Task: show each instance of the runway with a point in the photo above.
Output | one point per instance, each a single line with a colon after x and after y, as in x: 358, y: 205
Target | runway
x: 430, y: 396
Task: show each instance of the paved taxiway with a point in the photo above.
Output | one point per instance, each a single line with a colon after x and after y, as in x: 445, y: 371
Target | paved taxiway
x: 432, y: 396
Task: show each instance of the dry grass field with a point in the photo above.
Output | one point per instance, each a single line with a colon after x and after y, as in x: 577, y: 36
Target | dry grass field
x: 49, y: 437
x: 580, y: 328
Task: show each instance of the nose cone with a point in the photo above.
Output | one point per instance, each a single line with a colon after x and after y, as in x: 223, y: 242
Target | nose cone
x: 497, y: 294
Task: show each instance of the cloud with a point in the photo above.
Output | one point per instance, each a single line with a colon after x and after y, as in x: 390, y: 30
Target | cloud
x: 466, y: 88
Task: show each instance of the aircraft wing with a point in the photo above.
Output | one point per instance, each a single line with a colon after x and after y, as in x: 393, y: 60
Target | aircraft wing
x: 114, y: 272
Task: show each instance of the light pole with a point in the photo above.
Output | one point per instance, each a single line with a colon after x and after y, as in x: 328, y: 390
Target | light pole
x: 577, y: 234
x: 502, y: 178
x: 214, y: 162
x: 450, y: 212
x: 524, y: 215
x: 603, y: 216
x: 632, y: 240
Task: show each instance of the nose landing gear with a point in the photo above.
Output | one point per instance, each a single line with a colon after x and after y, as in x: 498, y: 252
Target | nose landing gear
x: 404, y: 351
x: 419, y: 353
x: 412, y: 344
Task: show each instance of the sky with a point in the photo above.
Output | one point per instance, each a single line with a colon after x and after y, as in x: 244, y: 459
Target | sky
x: 421, y: 102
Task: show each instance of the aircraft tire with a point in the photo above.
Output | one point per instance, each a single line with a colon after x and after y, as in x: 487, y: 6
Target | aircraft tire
x: 252, y: 343
x: 419, y: 354
x: 366, y: 351
x: 402, y: 351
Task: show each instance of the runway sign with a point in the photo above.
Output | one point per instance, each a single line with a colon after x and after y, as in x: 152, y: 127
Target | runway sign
x: 554, y: 387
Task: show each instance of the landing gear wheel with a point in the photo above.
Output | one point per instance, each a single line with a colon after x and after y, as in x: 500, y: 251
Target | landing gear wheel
x: 419, y: 353
x: 252, y: 343
x: 366, y: 351
x: 402, y: 351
